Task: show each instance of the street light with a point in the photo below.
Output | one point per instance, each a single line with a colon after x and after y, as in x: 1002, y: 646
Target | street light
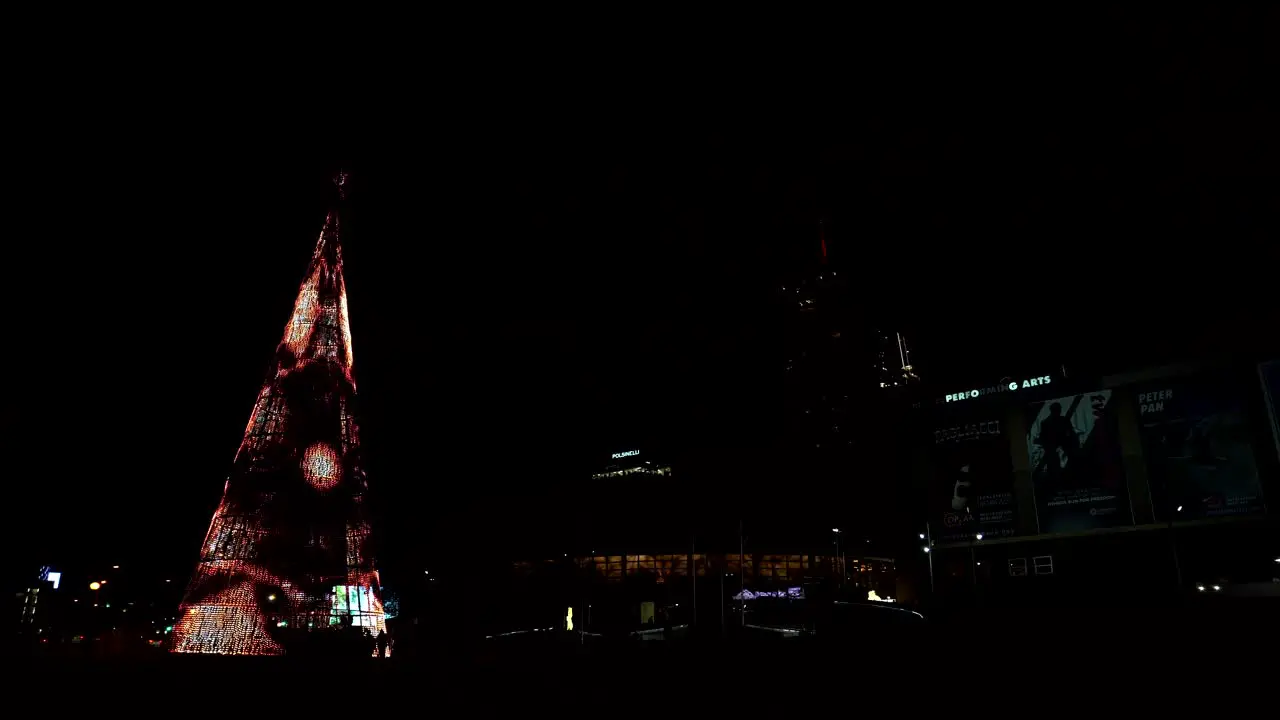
x: 927, y: 536
x: 95, y: 585
x: 839, y: 555
x: 1179, y: 509
x: 978, y: 536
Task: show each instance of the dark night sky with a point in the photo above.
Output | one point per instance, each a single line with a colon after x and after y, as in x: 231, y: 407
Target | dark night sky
x: 537, y: 273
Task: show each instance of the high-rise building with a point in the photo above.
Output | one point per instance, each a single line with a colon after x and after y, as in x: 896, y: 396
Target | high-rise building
x: 835, y: 358
x: 893, y: 360
x: 822, y: 347
x: 287, y: 551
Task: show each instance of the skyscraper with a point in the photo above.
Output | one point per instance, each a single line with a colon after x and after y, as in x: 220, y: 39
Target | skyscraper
x: 893, y: 360
x: 287, y: 550
x: 834, y: 357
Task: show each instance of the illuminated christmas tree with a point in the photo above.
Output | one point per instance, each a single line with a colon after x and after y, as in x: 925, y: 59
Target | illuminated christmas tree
x: 287, y: 552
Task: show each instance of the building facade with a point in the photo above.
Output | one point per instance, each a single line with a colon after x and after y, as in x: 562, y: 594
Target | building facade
x: 1043, y: 489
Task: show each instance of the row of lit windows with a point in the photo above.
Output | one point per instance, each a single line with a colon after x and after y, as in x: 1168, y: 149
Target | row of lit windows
x: 779, y: 567
x: 615, y: 566
x: 632, y: 471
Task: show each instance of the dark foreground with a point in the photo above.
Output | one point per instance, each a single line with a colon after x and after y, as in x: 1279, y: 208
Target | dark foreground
x: 1030, y: 663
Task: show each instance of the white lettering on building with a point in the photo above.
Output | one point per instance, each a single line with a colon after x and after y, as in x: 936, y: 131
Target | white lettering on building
x: 625, y: 453
x: 1153, y: 401
x: 1013, y: 385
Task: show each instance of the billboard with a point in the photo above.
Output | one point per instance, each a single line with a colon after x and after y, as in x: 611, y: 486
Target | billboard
x: 1075, y: 464
x: 972, y: 489
x: 1197, y: 448
x: 1270, y: 374
x: 356, y: 602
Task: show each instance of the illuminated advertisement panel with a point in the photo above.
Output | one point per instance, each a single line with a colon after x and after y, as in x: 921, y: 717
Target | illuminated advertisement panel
x: 357, y: 603
x: 1075, y: 464
x: 972, y: 481
x: 1270, y: 374
x: 1198, y: 448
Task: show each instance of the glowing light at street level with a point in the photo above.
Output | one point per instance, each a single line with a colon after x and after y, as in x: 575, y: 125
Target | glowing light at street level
x: 568, y: 620
x: 320, y: 466
x: 926, y: 548
x: 1200, y: 588
x: 1217, y: 588
x: 793, y: 593
x: 95, y: 585
x: 1179, y: 509
x: 978, y: 536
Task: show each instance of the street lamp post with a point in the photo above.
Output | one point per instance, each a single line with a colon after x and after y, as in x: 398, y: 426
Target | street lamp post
x: 839, y: 557
x: 742, y: 577
x: 927, y: 536
x: 973, y: 565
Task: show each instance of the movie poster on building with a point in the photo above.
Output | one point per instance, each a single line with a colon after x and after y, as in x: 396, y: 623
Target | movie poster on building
x: 973, y: 482
x: 1075, y: 464
x: 1270, y: 374
x: 1198, y: 449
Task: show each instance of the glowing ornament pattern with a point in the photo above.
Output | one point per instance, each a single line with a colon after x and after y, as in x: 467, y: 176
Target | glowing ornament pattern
x: 290, y: 530
x: 320, y: 466
x: 305, y: 310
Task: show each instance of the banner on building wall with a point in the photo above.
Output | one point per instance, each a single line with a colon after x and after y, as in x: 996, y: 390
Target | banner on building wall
x: 1075, y: 464
x: 1197, y: 448
x: 1270, y: 374
x: 972, y: 482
